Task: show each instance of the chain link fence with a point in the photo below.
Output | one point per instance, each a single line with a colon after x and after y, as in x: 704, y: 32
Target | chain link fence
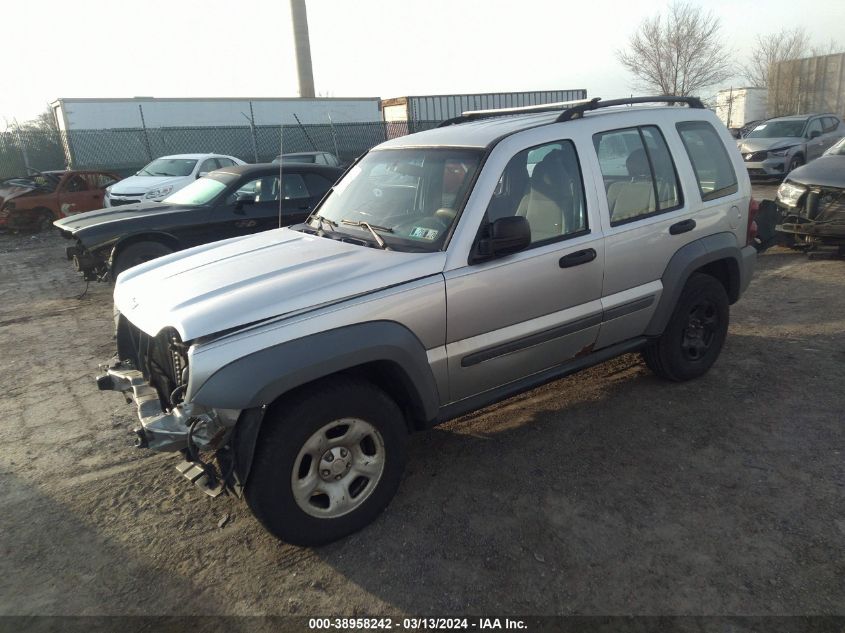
x: 124, y: 151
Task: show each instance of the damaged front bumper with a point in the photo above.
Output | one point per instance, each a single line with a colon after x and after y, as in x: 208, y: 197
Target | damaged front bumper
x: 188, y: 427
x: 90, y: 266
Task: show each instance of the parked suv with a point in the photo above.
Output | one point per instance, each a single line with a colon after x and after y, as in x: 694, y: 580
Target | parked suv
x: 777, y: 146
x: 445, y: 271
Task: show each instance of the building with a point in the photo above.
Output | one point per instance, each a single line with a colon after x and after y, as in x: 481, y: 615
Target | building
x: 810, y: 84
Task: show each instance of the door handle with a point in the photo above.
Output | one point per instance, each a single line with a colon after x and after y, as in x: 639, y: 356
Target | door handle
x: 682, y: 227
x: 577, y: 258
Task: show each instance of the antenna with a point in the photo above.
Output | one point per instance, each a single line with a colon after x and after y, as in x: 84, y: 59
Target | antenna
x: 281, y: 160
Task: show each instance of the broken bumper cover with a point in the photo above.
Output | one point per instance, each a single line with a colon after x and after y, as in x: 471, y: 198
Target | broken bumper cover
x: 161, y: 430
x: 91, y: 268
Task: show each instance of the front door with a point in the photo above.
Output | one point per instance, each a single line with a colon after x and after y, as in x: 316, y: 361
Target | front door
x: 76, y: 194
x: 517, y: 315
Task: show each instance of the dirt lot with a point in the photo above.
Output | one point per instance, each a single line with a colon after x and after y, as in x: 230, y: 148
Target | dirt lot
x: 609, y: 492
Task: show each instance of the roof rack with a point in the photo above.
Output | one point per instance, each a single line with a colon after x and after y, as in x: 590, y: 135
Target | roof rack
x: 570, y: 110
x: 577, y: 111
x: 471, y: 115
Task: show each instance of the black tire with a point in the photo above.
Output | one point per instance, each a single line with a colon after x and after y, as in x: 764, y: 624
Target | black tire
x: 794, y: 163
x: 696, y: 331
x: 138, y: 253
x: 289, y: 427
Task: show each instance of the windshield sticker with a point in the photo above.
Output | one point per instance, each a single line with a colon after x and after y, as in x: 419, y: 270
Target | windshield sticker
x: 424, y: 233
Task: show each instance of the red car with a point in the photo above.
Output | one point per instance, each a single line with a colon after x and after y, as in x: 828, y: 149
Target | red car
x: 35, y: 201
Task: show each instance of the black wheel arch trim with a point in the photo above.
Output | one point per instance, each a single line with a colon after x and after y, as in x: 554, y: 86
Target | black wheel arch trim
x: 163, y: 237
x: 692, y: 257
x: 260, y: 378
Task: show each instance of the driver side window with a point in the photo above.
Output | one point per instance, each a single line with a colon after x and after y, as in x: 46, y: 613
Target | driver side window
x: 544, y: 185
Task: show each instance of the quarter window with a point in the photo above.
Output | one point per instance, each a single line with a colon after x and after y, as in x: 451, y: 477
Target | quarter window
x: 544, y: 185
x: 639, y: 175
x: 711, y: 163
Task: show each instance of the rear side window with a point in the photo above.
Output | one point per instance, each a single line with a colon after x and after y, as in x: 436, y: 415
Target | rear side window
x: 638, y: 172
x: 711, y: 163
x: 317, y: 185
x: 294, y: 187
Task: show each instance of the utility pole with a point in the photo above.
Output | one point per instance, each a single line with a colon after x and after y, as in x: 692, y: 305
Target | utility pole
x: 302, y: 47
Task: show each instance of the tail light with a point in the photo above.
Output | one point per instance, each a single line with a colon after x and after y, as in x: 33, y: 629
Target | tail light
x: 751, y: 234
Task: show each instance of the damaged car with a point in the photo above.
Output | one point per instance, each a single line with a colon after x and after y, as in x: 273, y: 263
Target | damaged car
x: 37, y: 200
x: 811, y: 203
x: 447, y: 270
x: 230, y: 202
x: 777, y: 146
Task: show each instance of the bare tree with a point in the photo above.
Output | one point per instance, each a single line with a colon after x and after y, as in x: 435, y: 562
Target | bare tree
x: 772, y: 48
x: 678, y: 54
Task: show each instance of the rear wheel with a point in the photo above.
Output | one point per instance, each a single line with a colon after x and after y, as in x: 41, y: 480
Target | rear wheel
x: 696, y: 331
x: 328, y: 461
x: 138, y: 253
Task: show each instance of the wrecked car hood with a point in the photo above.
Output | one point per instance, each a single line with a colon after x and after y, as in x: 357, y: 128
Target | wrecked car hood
x: 16, y: 191
x: 825, y: 171
x: 81, y: 221
x: 760, y: 144
x: 223, y: 285
x: 135, y: 185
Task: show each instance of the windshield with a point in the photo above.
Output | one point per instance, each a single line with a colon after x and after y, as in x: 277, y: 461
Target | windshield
x: 778, y: 129
x: 838, y: 149
x: 201, y: 191
x: 411, y: 197
x: 169, y: 167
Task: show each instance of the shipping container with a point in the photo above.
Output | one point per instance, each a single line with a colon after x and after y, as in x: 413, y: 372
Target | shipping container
x: 736, y: 107
x: 149, y: 112
x: 422, y: 111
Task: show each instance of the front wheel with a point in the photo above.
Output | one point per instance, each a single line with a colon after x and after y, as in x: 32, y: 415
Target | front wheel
x: 696, y: 331
x: 795, y: 163
x: 329, y: 459
x: 136, y: 254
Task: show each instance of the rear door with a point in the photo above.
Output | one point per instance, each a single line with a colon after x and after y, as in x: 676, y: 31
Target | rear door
x: 648, y: 215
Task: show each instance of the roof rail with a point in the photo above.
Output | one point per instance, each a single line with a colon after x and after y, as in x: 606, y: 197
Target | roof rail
x: 570, y: 109
x: 471, y: 115
x: 577, y: 111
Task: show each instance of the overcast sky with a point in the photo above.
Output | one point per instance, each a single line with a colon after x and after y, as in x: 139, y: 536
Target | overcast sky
x: 360, y: 48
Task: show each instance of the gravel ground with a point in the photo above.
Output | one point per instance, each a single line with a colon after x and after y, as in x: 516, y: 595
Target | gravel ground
x: 609, y: 492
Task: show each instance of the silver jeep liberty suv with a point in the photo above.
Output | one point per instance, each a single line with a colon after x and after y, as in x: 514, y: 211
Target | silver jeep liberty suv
x: 445, y: 271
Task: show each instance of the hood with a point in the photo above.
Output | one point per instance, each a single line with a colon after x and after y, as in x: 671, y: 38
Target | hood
x: 825, y: 171
x: 79, y: 221
x: 219, y: 286
x: 760, y: 144
x: 16, y: 191
x: 135, y: 185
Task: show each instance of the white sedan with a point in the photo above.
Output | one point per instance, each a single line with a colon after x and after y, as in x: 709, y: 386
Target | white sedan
x: 165, y: 175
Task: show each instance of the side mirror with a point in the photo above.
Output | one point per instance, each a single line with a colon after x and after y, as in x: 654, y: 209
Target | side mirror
x: 507, y: 235
x: 815, y: 134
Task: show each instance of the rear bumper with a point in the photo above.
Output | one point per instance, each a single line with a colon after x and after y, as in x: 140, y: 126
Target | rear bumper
x: 748, y: 262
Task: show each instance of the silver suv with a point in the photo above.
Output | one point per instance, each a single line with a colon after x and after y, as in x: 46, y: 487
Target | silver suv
x: 445, y: 271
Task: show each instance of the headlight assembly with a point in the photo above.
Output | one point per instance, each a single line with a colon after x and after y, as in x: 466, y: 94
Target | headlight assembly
x: 158, y: 193
x: 789, y: 193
